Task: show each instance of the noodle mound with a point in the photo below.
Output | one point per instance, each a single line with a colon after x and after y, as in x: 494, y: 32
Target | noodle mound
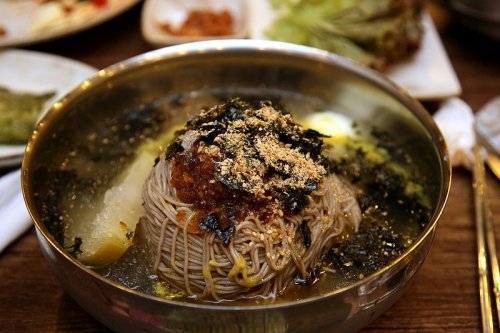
x: 241, y: 204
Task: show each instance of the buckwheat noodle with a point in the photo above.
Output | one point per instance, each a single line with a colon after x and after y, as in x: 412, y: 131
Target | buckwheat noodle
x: 262, y: 257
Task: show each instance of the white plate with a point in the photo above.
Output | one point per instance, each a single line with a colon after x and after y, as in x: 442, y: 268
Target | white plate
x: 174, y: 12
x: 17, y: 16
x: 36, y: 72
x: 427, y: 75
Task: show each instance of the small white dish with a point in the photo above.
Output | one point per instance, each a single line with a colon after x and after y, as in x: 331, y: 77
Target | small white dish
x: 156, y: 13
x: 426, y: 75
x: 36, y: 72
x: 18, y: 18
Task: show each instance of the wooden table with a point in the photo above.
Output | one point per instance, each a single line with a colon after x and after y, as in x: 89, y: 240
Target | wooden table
x: 444, y: 294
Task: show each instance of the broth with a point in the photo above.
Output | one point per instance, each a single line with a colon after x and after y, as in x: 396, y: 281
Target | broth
x: 393, y: 195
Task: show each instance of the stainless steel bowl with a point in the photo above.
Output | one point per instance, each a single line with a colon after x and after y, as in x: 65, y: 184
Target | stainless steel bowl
x: 239, y: 68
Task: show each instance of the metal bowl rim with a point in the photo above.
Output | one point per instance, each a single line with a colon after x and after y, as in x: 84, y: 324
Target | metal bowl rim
x: 245, y: 45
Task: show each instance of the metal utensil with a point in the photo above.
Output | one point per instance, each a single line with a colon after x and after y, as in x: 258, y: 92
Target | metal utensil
x: 488, y: 133
x: 487, y: 130
x: 493, y: 162
x: 485, y: 245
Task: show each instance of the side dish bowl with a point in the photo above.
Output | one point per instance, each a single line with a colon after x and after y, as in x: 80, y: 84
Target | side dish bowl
x: 248, y: 68
x: 162, y: 17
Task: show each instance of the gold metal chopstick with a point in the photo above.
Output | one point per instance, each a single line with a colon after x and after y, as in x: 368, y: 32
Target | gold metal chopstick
x: 492, y: 254
x: 493, y: 162
x: 492, y: 251
x: 485, y: 246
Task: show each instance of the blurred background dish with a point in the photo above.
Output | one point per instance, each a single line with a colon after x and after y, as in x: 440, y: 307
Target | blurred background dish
x: 36, y: 73
x: 24, y: 22
x: 166, y: 22
x: 426, y: 74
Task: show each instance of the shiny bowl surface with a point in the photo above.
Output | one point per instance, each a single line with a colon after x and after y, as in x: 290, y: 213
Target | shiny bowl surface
x: 232, y: 68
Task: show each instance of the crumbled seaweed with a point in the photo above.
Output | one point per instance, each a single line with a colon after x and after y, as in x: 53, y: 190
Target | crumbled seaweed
x: 382, y: 185
x: 75, y: 248
x: 254, y: 101
x: 301, y: 281
x: 385, y: 140
x: 230, y: 182
x: 312, y: 143
x: 387, y: 186
x: 226, y: 235
x: 306, y: 233
x: 129, y: 235
x: 119, y: 136
x: 210, y: 132
x: 232, y: 110
x: 211, y: 223
x: 172, y: 149
x: 310, y: 185
x: 52, y: 182
x: 418, y: 211
x: 293, y: 200
x: 212, y: 122
x: 313, y: 276
x: 374, y: 246
x: 309, y: 142
x: 385, y: 183
x: 350, y: 167
x: 257, y: 102
x: 376, y: 243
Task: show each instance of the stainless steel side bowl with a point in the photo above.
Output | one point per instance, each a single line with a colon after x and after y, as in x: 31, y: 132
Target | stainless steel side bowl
x: 181, y: 74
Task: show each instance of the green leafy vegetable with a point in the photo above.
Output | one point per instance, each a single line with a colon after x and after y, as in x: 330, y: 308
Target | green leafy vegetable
x: 18, y: 114
x: 372, y: 32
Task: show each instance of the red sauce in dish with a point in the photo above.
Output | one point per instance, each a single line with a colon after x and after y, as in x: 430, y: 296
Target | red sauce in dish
x: 203, y: 23
x: 193, y: 178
